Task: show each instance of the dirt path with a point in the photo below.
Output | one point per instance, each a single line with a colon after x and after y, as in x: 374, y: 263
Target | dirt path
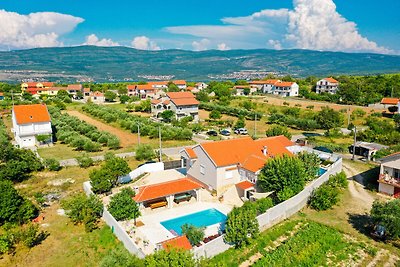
x: 356, y: 188
x: 127, y: 139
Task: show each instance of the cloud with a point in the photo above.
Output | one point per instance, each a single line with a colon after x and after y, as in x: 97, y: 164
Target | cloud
x: 144, y: 43
x: 223, y: 47
x: 312, y: 24
x: 201, y: 45
x: 94, y: 40
x: 41, y: 29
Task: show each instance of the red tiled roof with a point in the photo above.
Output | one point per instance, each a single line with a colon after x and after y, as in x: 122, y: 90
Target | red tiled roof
x: 145, y: 87
x: 283, y: 84
x: 86, y: 89
x: 98, y: 94
x: 241, y: 86
x: 179, y: 82
x: 245, y: 185
x: 390, y: 101
x: 190, y: 88
x: 269, y: 81
x: 131, y: 86
x: 179, y: 242
x: 1, y: 94
x: 156, y: 191
x: 185, y: 101
x: 176, y: 95
x: 25, y: 114
x: 155, y: 101
x: 331, y: 80
x: 238, y: 151
x: 74, y: 86
x: 191, y: 152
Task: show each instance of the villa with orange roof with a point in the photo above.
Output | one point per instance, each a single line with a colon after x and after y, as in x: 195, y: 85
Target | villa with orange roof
x: 327, y: 85
x: 29, y: 121
x: 218, y: 165
x: 276, y: 87
x: 183, y: 104
x: 35, y: 85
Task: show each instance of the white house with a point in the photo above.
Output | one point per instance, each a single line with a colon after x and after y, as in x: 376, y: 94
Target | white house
x: 327, y: 85
x: 200, y: 86
x: 285, y: 89
x: 265, y: 86
x: 181, y: 84
x: 219, y: 165
x: 184, y: 104
x: 389, y: 175
x: 240, y: 89
x: 29, y: 121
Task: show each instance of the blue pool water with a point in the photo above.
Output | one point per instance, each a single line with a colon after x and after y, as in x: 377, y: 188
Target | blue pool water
x: 199, y: 219
x: 321, y: 171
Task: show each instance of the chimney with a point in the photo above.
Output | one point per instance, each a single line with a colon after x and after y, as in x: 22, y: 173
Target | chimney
x: 136, y: 189
x: 265, y: 150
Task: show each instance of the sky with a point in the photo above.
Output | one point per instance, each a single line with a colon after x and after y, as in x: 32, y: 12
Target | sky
x: 326, y: 25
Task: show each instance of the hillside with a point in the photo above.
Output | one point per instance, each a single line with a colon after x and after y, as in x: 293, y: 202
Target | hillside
x: 119, y: 63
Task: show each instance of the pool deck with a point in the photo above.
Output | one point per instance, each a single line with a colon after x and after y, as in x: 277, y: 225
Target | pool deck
x: 153, y: 232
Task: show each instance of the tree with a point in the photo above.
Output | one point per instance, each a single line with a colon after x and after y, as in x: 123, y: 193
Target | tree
x: 387, y: 214
x: 328, y: 118
x: 393, y: 109
x: 85, y: 161
x: 101, y: 181
x: 170, y: 258
x: 202, y: 96
x: 144, y: 152
x: 83, y: 209
x: 63, y: 94
x: 173, y: 87
x: 110, y: 96
x: 276, y: 130
x: 124, y: 98
x: 122, y: 91
x: 396, y: 118
x: 311, y: 164
x: 144, y: 106
x: 324, y: 197
x: 215, y: 115
x: 123, y: 207
x: 284, y: 175
x: 241, y: 225
x: 167, y: 115
x: 193, y: 233
x: 52, y: 164
x: 240, y: 123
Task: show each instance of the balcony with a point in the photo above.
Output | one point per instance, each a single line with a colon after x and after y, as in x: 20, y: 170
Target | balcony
x: 387, y: 179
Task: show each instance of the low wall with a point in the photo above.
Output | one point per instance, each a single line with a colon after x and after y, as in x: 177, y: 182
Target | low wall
x: 149, y: 167
x: 275, y: 214
x: 116, y: 228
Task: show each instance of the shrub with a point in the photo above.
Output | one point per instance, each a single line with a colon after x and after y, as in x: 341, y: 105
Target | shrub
x: 263, y: 204
x: 241, y: 226
x: 338, y: 180
x: 193, y: 233
x: 145, y: 152
x: 311, y: 164
x: 276, y: 130
x: 52, y: 164
x: 325, y: 197
x: 31, y: 236
x: 123, y: 207
x: 387, y: 214
x: 85, y: 161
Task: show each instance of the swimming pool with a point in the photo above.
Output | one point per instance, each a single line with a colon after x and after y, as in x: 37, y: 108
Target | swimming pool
x: 321, y: 171
x: 199, y: 219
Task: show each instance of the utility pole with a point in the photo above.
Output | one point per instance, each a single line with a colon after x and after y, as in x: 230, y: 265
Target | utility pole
x: 255, y: 126
x: 354, y: 145
x: 159, y: 135
x: 348, y: 117
x: 138, y: 134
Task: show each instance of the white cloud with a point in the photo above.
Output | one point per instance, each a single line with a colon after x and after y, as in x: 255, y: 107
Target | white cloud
x: 223, y: 47
x: 144, y: 43
x: 201, y: 45
x: 41, y: 29
x: 312, y: 24
x: 94, y: 40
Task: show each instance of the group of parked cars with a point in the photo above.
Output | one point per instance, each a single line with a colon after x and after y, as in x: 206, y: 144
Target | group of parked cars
x: 227, y: 132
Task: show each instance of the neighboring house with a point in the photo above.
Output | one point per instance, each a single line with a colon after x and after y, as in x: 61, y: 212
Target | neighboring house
x: 144, y: 91
x: 96, y: 97
x: 73, y: 89
x: 264, y: 86
x: 389, y: 101
x: 389, y: 175
x: 240, y: 89
x: 285, y: 89
x: 221, y: 164
x: 35, y: 85
x: 366, y: 150
x: 327, y: 85
x: 184, y: 104
x: 200, y: 86
x: 181, y: 84
x: 159, y: 105
x: 29, y: 121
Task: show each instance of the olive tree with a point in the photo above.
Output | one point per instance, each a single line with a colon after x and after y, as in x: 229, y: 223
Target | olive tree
x: 123, y: 207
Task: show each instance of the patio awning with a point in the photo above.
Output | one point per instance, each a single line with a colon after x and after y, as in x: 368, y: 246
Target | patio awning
x: 160, y: 190
x: 260, y: 195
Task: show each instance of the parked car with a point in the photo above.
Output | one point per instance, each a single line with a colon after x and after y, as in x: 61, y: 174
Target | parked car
x: 241, y: 131
x: 212, y: 133
x: 225, y: 132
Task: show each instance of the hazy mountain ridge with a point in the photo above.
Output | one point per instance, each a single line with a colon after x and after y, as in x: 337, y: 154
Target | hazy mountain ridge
x: 103, y: 63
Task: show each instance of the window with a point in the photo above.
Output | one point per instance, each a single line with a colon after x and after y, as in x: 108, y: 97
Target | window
x: 228, y: 174
x: 396, y: 173
x: 202, y: 169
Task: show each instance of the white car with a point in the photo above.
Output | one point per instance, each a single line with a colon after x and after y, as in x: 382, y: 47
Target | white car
x: 241, y: 131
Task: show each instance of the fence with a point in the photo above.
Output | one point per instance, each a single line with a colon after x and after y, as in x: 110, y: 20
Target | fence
x: 275, y: 214
x: 116, y: 227
x: 174, y: 164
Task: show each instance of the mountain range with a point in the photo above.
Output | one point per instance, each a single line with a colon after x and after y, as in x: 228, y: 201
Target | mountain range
x: 100, y: 64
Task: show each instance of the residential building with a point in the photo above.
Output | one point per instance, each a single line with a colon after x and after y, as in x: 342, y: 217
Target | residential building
x: 181, y: 84
x: 35, y: 85
x: 29, y: 121
x: 95, y: 97
x: 184, y: 104
x: 240, y: 90
x: 366, y: 150
x: 221, y: 164
x: 390, y: 101
x: 200, y: 86
x: 73, y: 89
x: 327, y: 85
x: 389, y: 175
x: 285, y: 89
x: 159, y: 105
x: 264, y: 86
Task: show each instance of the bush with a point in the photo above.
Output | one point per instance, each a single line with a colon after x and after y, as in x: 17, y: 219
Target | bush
x: 276, y: 130
x: 31, y: 236
x: 145, y: 152
x: 263, y: 204
x: 85, y: 161
x: 325, y: 197
x: 52, y: 164
x: 311, y: 164
x: 123, y: 207
x: 338, y: 180
x: 388, y: 215
x: 193, y: 233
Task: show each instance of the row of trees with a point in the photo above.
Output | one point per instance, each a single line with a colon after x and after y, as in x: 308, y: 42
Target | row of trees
x: 232, y: 111
x: 80, y: 134
x: 134, y: 122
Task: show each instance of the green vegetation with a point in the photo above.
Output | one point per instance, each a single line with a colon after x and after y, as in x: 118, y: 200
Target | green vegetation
x: 311, y: 164
x: 241, y: 225
x: 276, y: 130
x: 52, y: 164
x: 83, y: 209
x: 229, y: 110
x: 144, y: 152
x: 384, y: 131
x: 85, y: 161
x: 123, y: 207
x: 193, y: 233
x: 388, y: 215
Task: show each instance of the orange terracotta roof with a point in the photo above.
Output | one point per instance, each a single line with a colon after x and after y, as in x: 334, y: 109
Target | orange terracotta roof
x: 145, y: 87
x: 155, y: 101
x: 47, y: 84
x: 179, y: 82
x: 74, y: 86
x: 156, y: 191
x: 190, y: 88
x: 238, y: 151
x: 390, y: 101
x: 331, y: 80
x: 35, y: 84
x: 176, y: 95
x: 254, y: 163
x: 185, y: 101
x: 269, y: 81
x: 283, y: 84
x: 241, y: 86
x: 86, y: 89
x: 161, y: 83
x: 166, y: 102
x: 131, y: 86
x: 26, y: 114
x: 98, y: 94
x: 1, y: 94
x: 191, y: 152
x: 179, y: 242
x: 245, y: 185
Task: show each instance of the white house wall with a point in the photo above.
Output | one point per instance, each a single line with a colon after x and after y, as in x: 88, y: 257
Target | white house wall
x: 209, y: 177
x: 386, y: 189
